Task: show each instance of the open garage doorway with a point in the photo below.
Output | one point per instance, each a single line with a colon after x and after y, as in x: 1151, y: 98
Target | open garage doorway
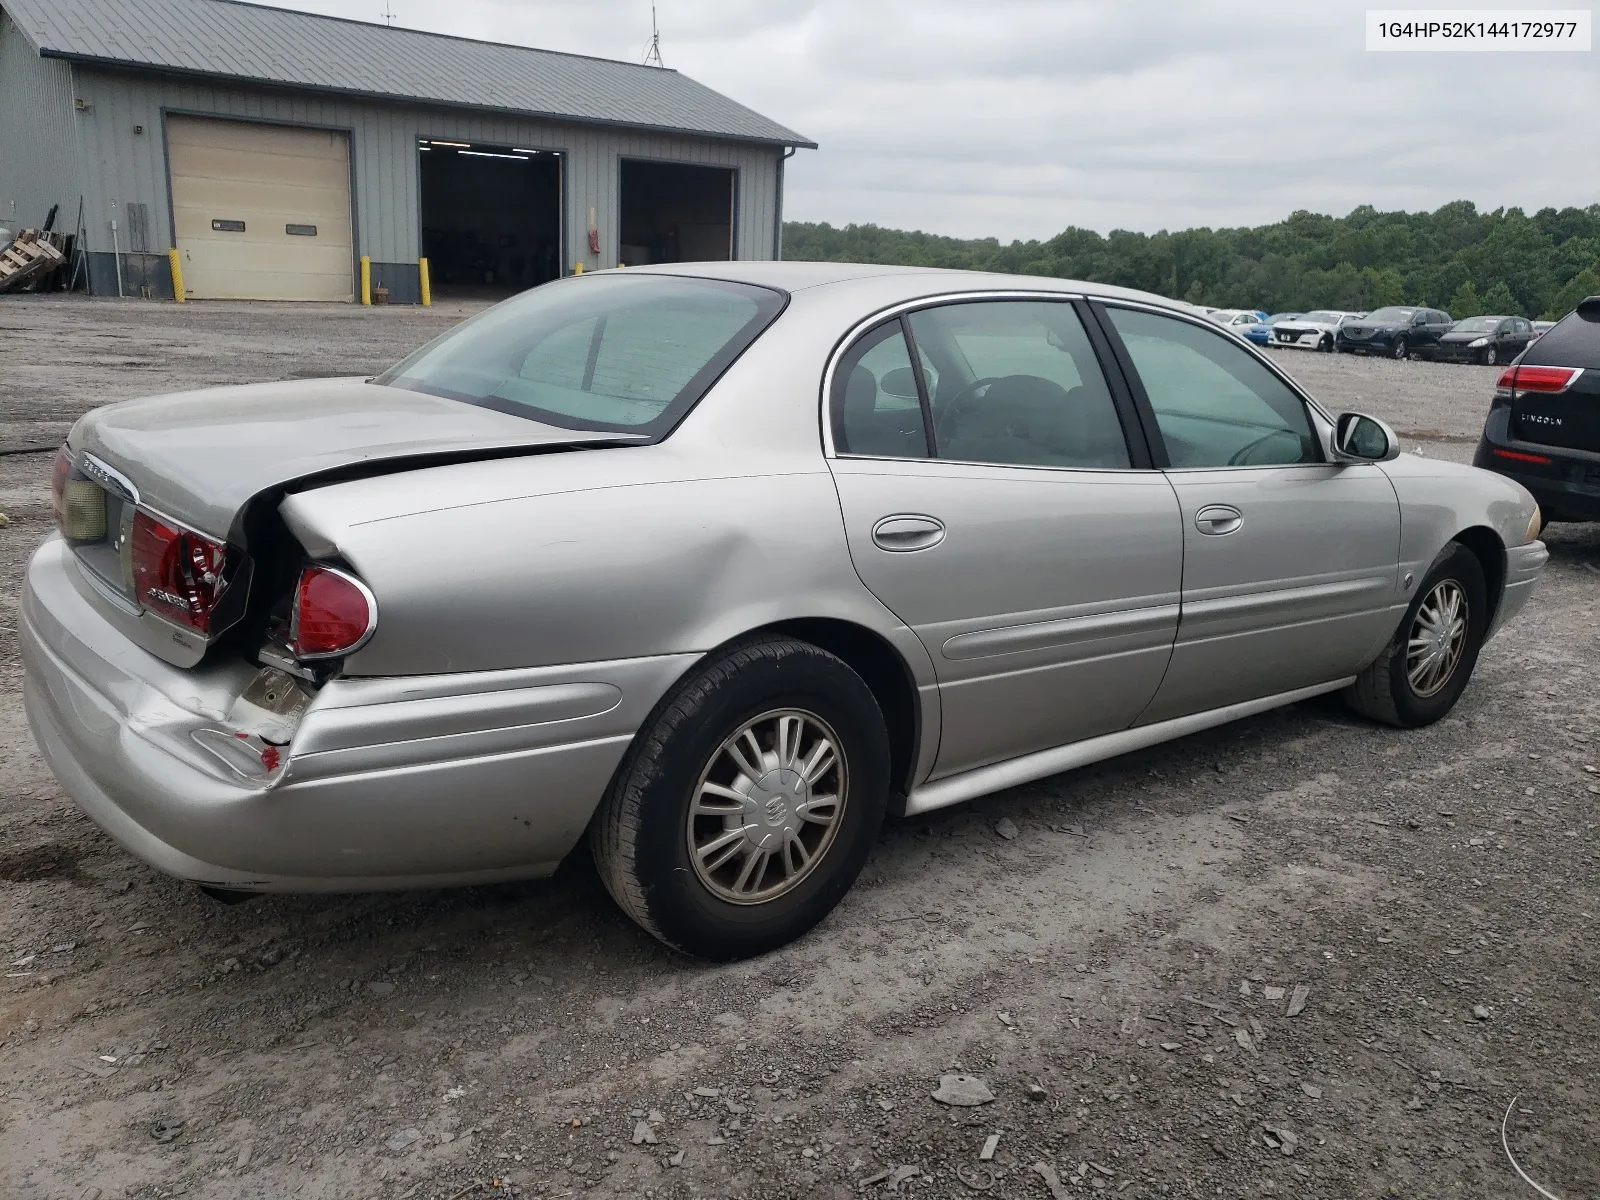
x: 672, y: 212
x: 491, y: 217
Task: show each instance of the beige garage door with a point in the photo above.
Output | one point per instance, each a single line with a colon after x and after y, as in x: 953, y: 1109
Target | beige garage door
x: 262, y: 212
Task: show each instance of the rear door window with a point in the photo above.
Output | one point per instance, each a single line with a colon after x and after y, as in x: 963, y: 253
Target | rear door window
x: 877, y: 410
x: 1574, y: 342
x: 1017, y: 382
x: 1215, y: 403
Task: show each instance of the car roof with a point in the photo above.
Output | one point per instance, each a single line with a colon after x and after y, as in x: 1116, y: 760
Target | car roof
x: 912, y: 281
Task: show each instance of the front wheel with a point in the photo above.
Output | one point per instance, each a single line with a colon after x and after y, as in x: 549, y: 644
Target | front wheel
x: 748, y: 804
x: 1490, y: 356
x: 1422, y: 672
x: 1326, y: 344
x: 1401, y: 350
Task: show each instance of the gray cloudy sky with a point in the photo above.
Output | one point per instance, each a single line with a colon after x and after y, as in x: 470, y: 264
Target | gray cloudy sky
x: 1016, y: 118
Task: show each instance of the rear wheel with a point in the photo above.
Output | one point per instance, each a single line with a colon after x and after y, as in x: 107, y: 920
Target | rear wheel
x: 749, y: 803
x: 1423, y: 671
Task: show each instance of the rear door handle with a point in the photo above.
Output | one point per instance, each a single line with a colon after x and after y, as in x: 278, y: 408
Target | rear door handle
x: 904, y: 532
x: 1214, y: 520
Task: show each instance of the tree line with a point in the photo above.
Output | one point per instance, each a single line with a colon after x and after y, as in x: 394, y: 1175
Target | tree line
x: 1455, y: 258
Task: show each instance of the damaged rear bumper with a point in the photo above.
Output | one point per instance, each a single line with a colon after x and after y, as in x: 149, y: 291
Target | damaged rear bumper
x: 400, y: 782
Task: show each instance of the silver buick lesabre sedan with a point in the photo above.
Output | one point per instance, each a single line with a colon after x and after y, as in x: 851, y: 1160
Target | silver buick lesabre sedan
x: 716, y: 565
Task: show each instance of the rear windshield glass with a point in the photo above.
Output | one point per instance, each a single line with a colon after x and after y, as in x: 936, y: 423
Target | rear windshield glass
x: 1573, y: 342
x: 611, y: 352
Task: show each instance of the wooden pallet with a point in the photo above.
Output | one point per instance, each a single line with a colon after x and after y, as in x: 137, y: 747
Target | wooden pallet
x: 32, y: 254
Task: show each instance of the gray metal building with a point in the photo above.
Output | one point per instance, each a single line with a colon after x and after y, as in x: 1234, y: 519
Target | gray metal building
x: 275, y: 150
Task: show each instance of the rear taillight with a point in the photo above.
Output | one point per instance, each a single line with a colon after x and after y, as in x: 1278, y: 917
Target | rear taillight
x: 60, y: 472
x: 1519, y: 456
x: 177, y: 574
x: 334, y: 614
x: 1538, y: 379
x: 79, y: 504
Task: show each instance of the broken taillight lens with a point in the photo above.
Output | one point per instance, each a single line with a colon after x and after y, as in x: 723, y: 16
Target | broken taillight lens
x: 334, y: 613
x: 177, y: 574
x: 60, y: 472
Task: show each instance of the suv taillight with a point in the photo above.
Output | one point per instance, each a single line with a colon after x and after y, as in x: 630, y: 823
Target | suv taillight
x: 334, y: 613
x: 1536, y: 379
x: 177, y: 574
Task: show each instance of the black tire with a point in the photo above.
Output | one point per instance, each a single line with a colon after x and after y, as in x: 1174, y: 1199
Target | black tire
x: 640, y: 835
x: 1401, y: 349
x: 1490, y: 356
x: 1326, y: 344
x: 1384, y: 690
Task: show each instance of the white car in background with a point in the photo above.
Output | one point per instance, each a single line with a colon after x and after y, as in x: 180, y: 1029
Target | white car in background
x: 1314, y: 331
x: 1235, y: 320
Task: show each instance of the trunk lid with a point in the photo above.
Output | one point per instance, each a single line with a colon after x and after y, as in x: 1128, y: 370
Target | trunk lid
x: 200, y: 457
x: 156, y: 500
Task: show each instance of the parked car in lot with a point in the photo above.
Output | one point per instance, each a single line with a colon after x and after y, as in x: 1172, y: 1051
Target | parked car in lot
x: 1235, y: 320
x: 1487, y: 340
x: 1540, y: 328
x: 714, y: 565
x: 1543, y: 428
x: 1314, y: 331
x: 1261, y: 332
x: 1398, y: 332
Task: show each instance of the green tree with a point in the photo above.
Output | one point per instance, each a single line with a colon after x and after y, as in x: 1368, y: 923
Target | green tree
x: 1498, y: 300
x: 1454, y: 257
x: 1465, y: 303
x: 1584, y: 284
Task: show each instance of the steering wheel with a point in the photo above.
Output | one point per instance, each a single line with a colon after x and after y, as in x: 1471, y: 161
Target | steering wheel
x: 1241, y: 456
x: 946, y: 422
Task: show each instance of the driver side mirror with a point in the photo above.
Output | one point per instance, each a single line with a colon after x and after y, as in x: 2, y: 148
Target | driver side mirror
x: 1360, y: 438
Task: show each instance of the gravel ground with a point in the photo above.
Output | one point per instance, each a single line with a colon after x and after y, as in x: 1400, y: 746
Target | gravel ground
x: 1119, y: 972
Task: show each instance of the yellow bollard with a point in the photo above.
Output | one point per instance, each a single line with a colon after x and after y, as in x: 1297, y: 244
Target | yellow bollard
x: 366, y: 280
x: 427, y: 282
x: 577, y: 268
x: 178, y: 293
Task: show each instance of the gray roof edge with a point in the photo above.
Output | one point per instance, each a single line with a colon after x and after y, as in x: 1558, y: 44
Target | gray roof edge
x: 27, y: 36
x: 122, y: 64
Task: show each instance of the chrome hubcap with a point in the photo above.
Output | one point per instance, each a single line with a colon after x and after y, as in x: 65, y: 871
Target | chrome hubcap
x: 1438, y: 636
x: 767, y: 806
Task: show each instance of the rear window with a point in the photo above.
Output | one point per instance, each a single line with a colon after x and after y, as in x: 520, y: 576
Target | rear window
x: 612, y: 352
x: 1573, y: 342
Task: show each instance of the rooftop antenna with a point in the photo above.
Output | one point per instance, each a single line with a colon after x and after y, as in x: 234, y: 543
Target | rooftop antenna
x: 652, y: 56
x: 388, y: 15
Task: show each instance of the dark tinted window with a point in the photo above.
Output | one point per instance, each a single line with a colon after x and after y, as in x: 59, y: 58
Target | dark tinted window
x: 876, y: 410
x: 1390, y: 316
x: 613, y: 352
x: 1216, y: 404
x: 1574, y: 342
x: 1018, y: 383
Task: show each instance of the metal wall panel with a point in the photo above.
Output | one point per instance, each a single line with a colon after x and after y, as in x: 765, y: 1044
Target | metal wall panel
x: 38, y: 163
x: 121, y: 166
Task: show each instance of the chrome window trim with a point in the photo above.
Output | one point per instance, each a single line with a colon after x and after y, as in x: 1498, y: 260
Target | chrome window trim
x: 895, y: 311
x: 1321, y: 422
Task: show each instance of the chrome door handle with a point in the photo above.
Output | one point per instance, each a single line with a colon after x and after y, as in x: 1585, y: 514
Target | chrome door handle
x: 1218, y: 519
x: 905, y: 532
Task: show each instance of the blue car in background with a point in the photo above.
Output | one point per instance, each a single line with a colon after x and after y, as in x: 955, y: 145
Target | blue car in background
x: 1261, y: 332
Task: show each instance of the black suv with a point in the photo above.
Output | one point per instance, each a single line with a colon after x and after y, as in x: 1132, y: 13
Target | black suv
x: 1544, y: 425
x: 1398, y: 332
